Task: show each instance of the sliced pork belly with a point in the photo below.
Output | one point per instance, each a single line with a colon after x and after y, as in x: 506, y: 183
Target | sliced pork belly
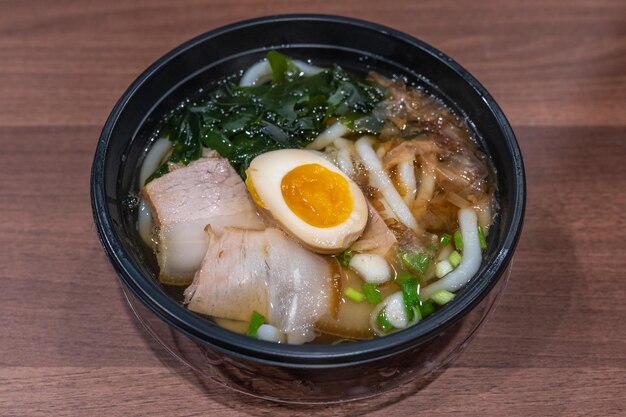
x: 187, y: 199
x: 376, y: 238
x: 266, y: 271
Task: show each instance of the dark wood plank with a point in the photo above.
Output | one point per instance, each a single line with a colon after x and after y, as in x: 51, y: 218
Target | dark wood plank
x: 545, y: 61
x: 556, y: 345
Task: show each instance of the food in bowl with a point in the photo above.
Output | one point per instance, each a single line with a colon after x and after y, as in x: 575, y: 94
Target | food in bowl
x: 302, y: 204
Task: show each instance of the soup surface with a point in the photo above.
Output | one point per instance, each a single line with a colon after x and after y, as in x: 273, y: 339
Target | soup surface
x: 301, y: 204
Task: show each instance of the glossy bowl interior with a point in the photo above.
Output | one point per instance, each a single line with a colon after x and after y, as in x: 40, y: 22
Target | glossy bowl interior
x: 265, y: 369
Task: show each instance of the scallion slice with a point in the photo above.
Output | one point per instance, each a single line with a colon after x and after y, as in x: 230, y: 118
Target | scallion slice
x: 345, y: 257
x: 384, y: 324
x: 403, y: 277
x: 445, y: 239
x: 256, y: 321
x: 354, y: 295
x: 372, y: 294
x: 416, y: 262
x: 442, y: 268
x: 442, y: 297
x: 458, y: 240
x: 417, y: 314
x: 427, y: 308
x: 481, y: 238
x: 342, y: 341
x: 455, y: 258
x: 410, y: 296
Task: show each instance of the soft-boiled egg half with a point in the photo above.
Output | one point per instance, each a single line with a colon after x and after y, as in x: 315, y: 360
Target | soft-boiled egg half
x: 310, y: 197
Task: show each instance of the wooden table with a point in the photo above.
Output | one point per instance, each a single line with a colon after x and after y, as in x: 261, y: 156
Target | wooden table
x: 555, y: 346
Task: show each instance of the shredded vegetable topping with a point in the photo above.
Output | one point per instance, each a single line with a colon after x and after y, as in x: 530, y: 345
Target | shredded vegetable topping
x: 256, y: 321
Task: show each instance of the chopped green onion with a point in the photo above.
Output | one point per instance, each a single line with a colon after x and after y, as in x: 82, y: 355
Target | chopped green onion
x: 384, y: 324
x: 345, y: 257
x: 455, y: 258
x: 443, y: 268
x: 445, y: 239
x: 417, y: 312
x: 403, y: 277
x: 442, y: 297
x: 354, y: 295
x: 481, y: 238
x: 410, y: 296
x: 409, y: 293
x: 256, y: 321
x: 416, y: 262
x: 372, y: 294
x: 458, y: 240
x: 341, y: 341
x: 427, y: 308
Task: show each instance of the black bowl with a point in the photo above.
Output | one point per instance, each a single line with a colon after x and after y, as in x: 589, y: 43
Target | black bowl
x: 310, y: 373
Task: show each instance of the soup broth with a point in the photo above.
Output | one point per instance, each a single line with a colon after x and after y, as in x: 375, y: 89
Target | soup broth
x: 300, y: 204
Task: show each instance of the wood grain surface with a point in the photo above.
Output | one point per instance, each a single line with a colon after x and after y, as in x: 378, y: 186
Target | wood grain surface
x: 556, y: 345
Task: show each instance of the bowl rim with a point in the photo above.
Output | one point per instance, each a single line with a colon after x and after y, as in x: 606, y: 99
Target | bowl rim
x: 286, y: 355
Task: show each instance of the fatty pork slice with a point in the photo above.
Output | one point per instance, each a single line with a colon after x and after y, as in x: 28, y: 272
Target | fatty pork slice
x: 183, y: 202
x: 266, y: 271
x: 376, y: 238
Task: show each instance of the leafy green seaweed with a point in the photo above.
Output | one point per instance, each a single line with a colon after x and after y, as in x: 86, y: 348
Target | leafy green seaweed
x: 243, y: 122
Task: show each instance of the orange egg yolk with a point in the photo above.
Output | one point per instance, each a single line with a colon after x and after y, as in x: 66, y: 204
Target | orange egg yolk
x: 317, y: 195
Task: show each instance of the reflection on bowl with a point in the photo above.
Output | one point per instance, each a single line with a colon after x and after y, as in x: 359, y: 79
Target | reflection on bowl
x: 309, y: 373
